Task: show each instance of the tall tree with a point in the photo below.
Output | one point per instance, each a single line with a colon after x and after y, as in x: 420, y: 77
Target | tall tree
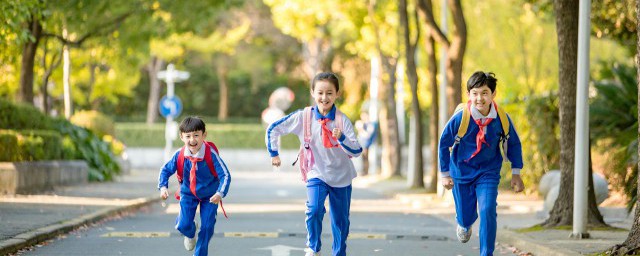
x: 567, y: 29
x: 415, y: 170
x: 432, y: 71
x: 455, y: 44
x: 391, y: 149
x: 631, y: 246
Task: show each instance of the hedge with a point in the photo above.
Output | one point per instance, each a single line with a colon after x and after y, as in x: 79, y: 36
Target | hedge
x: 20, y: 116
x: 30, y: 145
x: 224, y: 135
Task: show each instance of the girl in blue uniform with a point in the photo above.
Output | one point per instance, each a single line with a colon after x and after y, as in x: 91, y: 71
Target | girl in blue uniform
x: 472, y: 166
x: 331, y: 173
x: 199, y: 186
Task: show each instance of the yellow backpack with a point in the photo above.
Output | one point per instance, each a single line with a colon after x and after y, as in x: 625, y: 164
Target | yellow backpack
x: 464, y: 125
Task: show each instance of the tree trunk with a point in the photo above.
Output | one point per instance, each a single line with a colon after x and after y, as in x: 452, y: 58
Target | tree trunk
x: 415, y: 171
x: 432, y: 66
x: 318, y: 56
x: 223, y: 111
x: 594, y: 218
x: 28, y: 60
x: 388, y: 119
x: 55, y: 62
x: 567, y: 30
x: 455, y: 56
x: 631, y: 245
x: 153, y: 67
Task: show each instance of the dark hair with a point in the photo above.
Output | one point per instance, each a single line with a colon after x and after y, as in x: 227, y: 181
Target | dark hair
x: 326, y: 76
x: 192, y: 124
x: 479, y: 79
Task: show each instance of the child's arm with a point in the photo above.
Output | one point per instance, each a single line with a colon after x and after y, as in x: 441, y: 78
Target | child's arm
x: 223, y: 175
x: 291, y: 123
x: 347, y: 138
x: 514, y: 154
x: 168, y: 169
x: 447, y: 140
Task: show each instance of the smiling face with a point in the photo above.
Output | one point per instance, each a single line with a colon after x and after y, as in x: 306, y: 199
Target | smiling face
x: 193, y: 140
x: 481, y: 98
x: 324, y: 94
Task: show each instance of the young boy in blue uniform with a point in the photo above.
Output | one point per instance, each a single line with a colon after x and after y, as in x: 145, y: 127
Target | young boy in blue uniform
x: 472, y: 166
x: 332, y: 171
x: 199, y: 186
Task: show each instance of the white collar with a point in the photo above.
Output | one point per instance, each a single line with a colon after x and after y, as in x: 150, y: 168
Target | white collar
x: 475, y: 113
x: 200, y: 153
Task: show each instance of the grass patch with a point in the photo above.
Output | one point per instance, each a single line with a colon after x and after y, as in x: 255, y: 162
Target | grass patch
x: 539, y: 227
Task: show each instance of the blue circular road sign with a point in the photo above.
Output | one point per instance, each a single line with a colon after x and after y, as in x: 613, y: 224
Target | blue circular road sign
x: 170, y: 107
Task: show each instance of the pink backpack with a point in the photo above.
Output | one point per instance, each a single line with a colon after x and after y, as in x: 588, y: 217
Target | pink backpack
x: 305, y: 155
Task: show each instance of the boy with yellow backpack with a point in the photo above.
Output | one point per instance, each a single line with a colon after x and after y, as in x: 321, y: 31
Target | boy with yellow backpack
x: 471, y: 159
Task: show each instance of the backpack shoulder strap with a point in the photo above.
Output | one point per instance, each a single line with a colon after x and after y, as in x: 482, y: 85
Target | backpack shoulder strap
x: 180, y: 165
x: 207, y: 157
x: 464, y: 124
x: 503, y: 120
x: 339, y: 120
x: 306, y: 124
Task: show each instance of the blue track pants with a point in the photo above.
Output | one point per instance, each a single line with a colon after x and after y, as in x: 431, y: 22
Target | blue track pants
x: 186, y: 225
x: 339, y: 203
x: 476, y: 197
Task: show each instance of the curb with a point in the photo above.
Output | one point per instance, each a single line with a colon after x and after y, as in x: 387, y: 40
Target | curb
x: 36, y: 236
x: 527, y: 244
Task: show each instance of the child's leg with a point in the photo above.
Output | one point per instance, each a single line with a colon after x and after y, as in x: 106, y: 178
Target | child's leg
x: 316, y: 194
x: 487, y: 191
x: 208, y: 213
x: 184, y: 221
x: 464, y: 195
x: 340, y: 203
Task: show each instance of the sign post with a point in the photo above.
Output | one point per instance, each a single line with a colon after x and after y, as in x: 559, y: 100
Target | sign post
x: 170, y: 105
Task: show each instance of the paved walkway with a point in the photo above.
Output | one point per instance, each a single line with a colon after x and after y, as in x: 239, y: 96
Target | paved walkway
x: 31, y: 219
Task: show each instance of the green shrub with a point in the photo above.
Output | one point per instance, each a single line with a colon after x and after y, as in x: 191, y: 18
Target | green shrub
x: 19, y: 116
x: 249, y: 136
x: 37, y: 145
x: 69, y: 150
x: 8, y: 146
x: 95, y: 121
x: 97, y: 154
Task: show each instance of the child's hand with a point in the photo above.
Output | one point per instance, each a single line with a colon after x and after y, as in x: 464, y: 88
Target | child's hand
x: 447, y: 182
x: 516, y: 183
x: 275, y: 161
x: 164, y: 193
x: 337, y: 133
x: 215, y: 199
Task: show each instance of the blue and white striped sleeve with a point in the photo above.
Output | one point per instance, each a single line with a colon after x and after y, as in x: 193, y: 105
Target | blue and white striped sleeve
x: 348, y: 140
x: 223, y: 174
x: 291, y: 123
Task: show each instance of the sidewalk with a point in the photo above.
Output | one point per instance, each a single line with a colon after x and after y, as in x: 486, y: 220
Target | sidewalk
x: 515, y: 211
x: 29, y: 220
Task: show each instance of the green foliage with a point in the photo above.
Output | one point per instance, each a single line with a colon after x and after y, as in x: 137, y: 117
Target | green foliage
x: 224, y: 135
x: 97, y: 153
x: 8, y: 146
x: 98, y: 123
x: 30, y: 145
x: 22, y: 116
x: 615, y: 19
x: 614, y: 123
x: 540, y: 136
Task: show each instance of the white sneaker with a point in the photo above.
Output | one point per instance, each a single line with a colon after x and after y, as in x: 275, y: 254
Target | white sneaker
x: 463, y: 234
x: 190, y: 243
x: 311, y: 252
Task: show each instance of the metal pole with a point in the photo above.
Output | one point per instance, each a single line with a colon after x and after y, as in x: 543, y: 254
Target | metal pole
x: 581, y: 173
x: 400, y: 103
x: 442, y: 93
x: 169, y: 79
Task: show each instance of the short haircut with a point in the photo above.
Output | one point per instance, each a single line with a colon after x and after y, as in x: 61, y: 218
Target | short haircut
x: 480, y: 78
x: 192, y: 124
x: 326, y: 76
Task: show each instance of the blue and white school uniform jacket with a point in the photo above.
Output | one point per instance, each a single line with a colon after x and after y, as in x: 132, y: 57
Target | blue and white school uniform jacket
x: 206, y: 184
x: 489, y: 160
x: 332, y: 165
